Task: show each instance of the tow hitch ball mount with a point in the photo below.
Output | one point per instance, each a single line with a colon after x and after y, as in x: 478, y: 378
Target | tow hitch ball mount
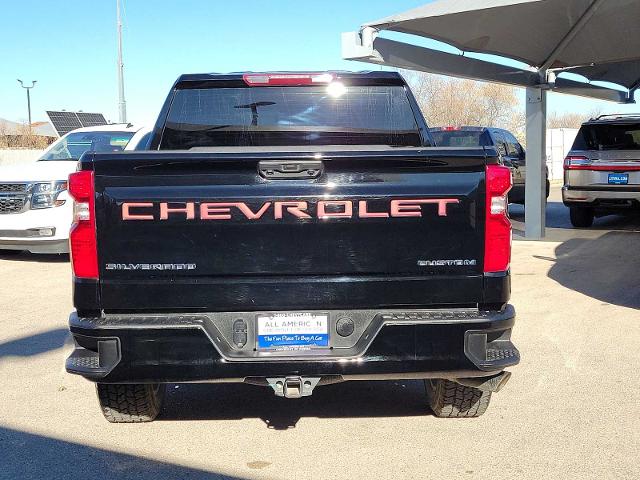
x: 293, y: 387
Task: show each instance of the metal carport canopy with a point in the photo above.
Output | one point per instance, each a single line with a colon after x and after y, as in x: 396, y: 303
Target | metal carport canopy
x: 597, y: 39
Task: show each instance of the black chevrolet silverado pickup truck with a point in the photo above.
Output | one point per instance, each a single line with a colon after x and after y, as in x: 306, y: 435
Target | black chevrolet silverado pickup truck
x: 291, y: 230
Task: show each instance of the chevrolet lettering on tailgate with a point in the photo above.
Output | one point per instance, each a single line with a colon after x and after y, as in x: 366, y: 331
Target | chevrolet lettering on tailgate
x: 324, y: 209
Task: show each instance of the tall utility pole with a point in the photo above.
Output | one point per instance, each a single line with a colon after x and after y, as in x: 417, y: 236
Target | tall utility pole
x: 122, y: 104
x: 33, y: 84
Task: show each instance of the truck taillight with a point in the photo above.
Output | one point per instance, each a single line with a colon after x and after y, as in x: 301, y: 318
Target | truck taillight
x: 497, y: 239
x: 82, y: 238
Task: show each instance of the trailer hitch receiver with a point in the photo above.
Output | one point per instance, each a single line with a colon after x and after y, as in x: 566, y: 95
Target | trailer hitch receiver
x: 293, y: 387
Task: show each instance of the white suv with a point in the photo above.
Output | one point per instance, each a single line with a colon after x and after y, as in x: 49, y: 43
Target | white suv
x: 35, y: 208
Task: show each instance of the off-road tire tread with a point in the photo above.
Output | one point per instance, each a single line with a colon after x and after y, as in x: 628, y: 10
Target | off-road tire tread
x: 452, y: 400
x: 130, y: 403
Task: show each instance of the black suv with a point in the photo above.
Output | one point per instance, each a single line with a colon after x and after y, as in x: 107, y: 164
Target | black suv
x: 511, y: 152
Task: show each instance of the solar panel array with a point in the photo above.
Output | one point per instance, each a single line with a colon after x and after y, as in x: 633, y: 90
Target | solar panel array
x: 64, y: 122
x: 91, y: 119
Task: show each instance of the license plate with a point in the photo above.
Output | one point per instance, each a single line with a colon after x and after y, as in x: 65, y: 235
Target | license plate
x: 618, y: 178
x: 292, y: 331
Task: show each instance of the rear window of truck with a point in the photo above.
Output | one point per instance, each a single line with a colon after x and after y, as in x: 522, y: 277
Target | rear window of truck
x: 608, y: 137
x: 305, y: 115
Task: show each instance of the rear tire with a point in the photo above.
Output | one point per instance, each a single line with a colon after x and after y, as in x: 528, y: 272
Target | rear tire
x: 581, y: 217
x: 452, y: 400
x: 130, y: 403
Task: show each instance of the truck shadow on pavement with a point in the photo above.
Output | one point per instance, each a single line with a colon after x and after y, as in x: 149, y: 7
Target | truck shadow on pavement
x: 356, y: 399
x: 30, y: 456
x: 557, y: 218
x: 34, y: 344
x: 33, y: 257
x: 606, y: 268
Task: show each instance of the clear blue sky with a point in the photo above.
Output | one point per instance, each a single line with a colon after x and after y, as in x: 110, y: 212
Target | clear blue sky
x: 70, y: 48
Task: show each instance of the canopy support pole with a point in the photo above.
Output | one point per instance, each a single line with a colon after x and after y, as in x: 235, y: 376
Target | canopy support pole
x: 535, y: 188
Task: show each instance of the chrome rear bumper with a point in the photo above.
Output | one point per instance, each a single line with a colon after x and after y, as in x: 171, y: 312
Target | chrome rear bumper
x: 593, y: 194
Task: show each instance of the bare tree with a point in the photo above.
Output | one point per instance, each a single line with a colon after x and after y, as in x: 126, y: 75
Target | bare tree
x: 25, y: 138
x: 457, y: 102
x: 566, y: 120
x: 451, y: 101
x: 595, y: 112
x: 3, y: 135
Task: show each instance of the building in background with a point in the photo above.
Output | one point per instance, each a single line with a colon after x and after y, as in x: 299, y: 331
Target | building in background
x: 559, y: 142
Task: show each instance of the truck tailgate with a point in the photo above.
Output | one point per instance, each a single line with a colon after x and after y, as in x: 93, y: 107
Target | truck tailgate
x: 207, y: 231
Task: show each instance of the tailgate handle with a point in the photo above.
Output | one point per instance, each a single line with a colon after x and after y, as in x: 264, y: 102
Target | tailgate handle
x: 281, y: 169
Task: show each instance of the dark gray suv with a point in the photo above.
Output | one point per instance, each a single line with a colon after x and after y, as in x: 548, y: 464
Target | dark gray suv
x: 511, y: 152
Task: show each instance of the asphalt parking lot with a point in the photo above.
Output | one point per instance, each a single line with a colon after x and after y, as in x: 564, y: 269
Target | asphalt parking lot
x: 569, y: 411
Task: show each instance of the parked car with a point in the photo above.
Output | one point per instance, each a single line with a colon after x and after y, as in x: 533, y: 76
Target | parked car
x: 602, y: 170
x: 511, y: 152
x: 35, y: 209
x: 291, y: 230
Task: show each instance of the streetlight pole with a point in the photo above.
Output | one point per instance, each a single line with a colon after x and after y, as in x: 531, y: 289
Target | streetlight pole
x: 33, y: 84
x: 122, y: 104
